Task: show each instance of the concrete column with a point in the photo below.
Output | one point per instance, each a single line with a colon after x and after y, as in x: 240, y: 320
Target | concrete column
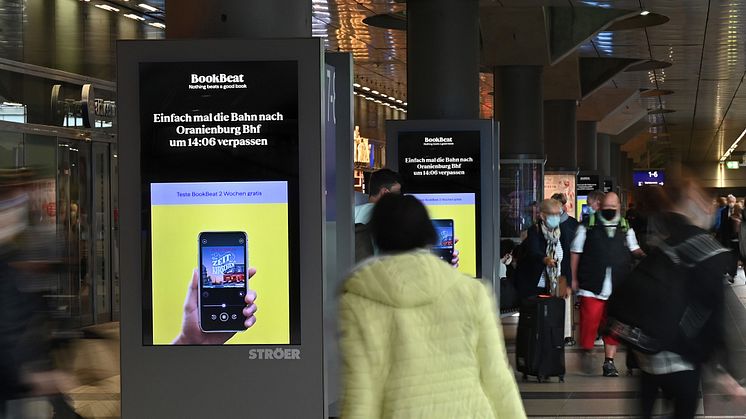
x: 604, y: 154
x: 560, y: 134
x: 251, y: 19
x: 519, y: 107
x: 629, y: 165
x: 443, y: 59
x: 588, y: 145
x: 616, y: 160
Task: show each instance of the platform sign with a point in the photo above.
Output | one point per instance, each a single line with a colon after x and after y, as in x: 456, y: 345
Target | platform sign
x: 219, y: 203
x: 448, y: 165
x: 647, y: 177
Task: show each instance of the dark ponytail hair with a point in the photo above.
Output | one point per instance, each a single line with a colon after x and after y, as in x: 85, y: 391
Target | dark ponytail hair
x: 400, y: 223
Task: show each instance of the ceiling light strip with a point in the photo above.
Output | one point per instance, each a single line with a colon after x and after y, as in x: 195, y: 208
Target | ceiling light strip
x: 148, y: 7
x: 733, y: 147
x: 371, y: 94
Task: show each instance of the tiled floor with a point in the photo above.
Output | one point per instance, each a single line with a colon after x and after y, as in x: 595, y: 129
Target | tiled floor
x: 96, y: 365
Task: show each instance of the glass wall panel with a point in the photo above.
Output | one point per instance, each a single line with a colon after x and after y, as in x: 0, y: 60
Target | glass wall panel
x: 521, y: 183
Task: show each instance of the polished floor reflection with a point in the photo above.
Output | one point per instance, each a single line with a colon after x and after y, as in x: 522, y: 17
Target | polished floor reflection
x: 96, y: 365
x: 605, y: 397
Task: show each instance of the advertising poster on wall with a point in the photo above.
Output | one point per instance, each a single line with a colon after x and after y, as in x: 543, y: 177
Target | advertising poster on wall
x: 585, y: 185
x: 442, y: 169
x: 564, y: 183
x: 220, y: 198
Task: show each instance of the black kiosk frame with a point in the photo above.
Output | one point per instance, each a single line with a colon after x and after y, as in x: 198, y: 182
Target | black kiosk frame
x: 271, y: 380
x: 483, y: 182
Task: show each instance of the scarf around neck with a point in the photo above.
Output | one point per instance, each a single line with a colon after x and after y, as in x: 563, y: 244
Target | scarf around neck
x: 552, y: 237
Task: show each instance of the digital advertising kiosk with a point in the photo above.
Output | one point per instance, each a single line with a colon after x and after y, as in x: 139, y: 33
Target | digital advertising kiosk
x: 450, y: 166
x: 221, y: 185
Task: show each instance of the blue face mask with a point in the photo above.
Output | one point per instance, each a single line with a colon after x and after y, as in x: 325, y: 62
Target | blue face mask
x: 553, y: 221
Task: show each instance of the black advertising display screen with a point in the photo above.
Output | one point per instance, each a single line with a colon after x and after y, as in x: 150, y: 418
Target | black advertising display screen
x: 442, y: 169
x: 219, y: 163
x: 587, y: 183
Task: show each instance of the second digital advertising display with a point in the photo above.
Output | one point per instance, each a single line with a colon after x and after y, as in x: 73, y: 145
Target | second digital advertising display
x: 442, y: 169
x: 220, y: 198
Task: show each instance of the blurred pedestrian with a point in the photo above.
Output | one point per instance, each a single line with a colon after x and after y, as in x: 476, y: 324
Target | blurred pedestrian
x: 26, y: 368
x: 674, y: 341
x: 418, y: 338
x: 601, y: 259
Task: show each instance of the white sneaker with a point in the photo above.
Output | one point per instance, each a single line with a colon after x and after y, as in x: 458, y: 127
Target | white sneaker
x: 598, y: 342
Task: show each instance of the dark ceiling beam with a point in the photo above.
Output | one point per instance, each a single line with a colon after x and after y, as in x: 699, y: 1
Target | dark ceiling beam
x: 597, y: 71
x: 569, y: 27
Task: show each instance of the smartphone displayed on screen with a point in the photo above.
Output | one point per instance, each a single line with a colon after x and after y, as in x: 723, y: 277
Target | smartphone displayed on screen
x: 444, y: 245
x: 223, y: 282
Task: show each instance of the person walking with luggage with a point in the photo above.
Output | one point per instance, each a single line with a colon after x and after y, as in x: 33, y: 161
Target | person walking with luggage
x: 568, y: 229
x: 543, y: 253
x: 419, y: 339
x: 601, y: 259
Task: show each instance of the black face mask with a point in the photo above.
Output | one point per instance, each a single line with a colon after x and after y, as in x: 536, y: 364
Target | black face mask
x: 608, y: 214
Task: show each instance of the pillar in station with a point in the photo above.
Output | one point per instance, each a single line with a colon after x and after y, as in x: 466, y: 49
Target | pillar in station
x: 604, y: 154
x: 250, y: 19
x: 629, y: 168
x: 560, y: 134
x: 442, y: 59
x: 588, y: 145
x: 616, y: 160
x: 519, y: 106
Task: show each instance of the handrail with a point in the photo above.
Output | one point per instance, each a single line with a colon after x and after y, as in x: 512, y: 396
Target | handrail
x: 53, y: 131
x: 54, y: 74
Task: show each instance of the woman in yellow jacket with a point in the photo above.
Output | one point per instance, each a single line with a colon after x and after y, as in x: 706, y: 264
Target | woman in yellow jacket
x: 419, y: 339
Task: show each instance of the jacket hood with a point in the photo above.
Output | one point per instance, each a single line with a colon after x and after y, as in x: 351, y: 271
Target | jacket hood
x: 405, y: 280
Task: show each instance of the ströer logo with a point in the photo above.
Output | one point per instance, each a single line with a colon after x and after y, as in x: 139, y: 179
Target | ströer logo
x: 277, y: 353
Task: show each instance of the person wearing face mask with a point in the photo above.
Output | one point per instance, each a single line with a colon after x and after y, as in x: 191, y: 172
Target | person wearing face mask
x: 541, y: 265
x: 594, y: 200
x: 601, y: 258
x: 568, y: 229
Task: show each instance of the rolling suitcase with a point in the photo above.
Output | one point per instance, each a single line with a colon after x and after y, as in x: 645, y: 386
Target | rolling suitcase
x: 540, y: 346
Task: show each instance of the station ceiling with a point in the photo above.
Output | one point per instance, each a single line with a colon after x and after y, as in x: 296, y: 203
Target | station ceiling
x: 704, y: 40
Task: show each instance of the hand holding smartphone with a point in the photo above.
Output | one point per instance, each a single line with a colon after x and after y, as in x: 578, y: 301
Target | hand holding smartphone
x: 445, y: 243
x: 223, y: 281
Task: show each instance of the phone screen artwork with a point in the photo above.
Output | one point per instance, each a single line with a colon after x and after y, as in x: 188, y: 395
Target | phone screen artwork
x: 223, y: 281
x: 444, y: 245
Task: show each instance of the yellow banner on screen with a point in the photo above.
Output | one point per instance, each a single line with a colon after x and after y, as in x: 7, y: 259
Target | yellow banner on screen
x: 175, y: 231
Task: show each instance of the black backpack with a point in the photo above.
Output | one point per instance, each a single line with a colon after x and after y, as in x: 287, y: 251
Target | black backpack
x: 653, y: 309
